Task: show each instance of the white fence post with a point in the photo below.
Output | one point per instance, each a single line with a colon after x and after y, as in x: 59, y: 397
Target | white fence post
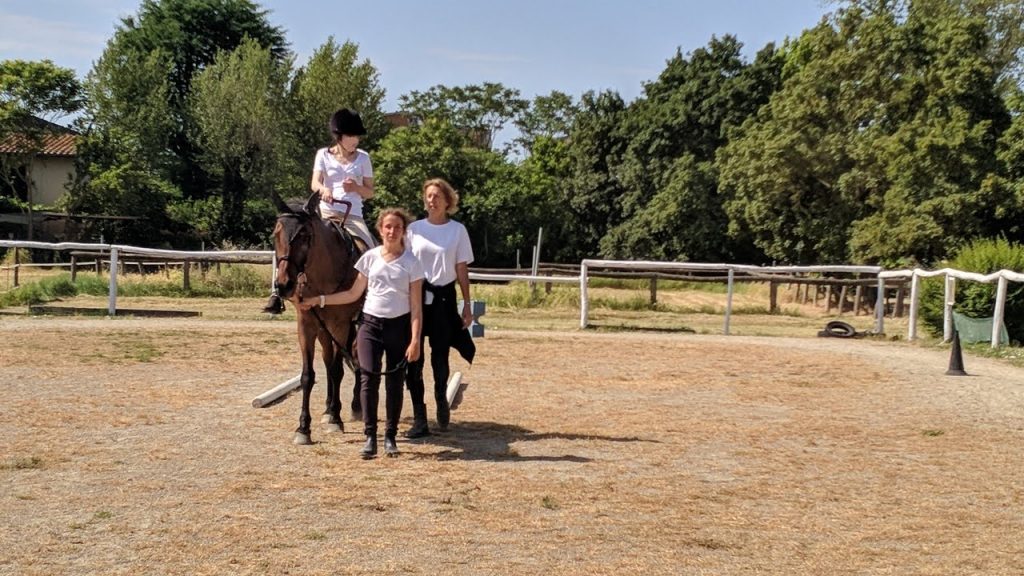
x: 584, y: 302
x: 997, y: 316
x: 728, y: 302
x: 915, y: 285
x: 273, y: 273
x: 880, y: 307
x: 947, y: 309
x: 112, y: 295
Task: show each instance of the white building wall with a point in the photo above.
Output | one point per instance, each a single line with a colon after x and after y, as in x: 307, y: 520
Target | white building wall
x: 51, y: 175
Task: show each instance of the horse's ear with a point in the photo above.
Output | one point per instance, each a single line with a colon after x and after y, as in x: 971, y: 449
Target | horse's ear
x: 279, y: 203
x: 313, y: 205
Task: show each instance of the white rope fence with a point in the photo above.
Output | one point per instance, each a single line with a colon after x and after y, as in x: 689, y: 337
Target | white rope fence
x: 730, y: 270
x: 1002, y: 278
x: 115, y: 250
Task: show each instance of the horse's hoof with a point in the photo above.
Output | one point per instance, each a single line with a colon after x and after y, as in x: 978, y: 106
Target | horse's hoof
x: 357, y: 415
x: 332, y: 427
x: 325, y: 418
x: 301, y: 439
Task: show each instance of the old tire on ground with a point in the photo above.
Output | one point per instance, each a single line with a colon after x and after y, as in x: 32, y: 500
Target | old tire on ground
x: 838, y: 329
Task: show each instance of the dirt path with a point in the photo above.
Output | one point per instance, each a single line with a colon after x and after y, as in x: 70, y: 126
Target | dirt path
x: 129, y: 447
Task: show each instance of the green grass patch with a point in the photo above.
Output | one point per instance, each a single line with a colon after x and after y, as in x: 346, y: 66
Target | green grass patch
x: 519, y: 296
x: 22, y: 463
x: 232, y: 281
x: 633, y: 303
x: 549, y: 503
x: 1012, y: 354
x: 44, y: 290
x: 143, y: 352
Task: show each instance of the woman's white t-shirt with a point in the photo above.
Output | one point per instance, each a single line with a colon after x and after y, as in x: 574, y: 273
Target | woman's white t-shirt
x: 439, y: 248
x: 388, y: 283
x: 335, y: 172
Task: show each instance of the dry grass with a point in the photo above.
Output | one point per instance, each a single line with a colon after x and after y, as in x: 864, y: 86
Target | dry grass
x: 130, y: 448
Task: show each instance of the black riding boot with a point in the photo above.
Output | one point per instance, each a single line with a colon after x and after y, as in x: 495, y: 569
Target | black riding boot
x: 443, y: 413
x: 390, y: 447
x: 370, y: 448
x: 274, y: 304
x: 419, y: 423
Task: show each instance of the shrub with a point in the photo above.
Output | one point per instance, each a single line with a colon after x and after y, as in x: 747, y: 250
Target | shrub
x: 39, y: 292
x: 976, y: 299
x: 241, y: 280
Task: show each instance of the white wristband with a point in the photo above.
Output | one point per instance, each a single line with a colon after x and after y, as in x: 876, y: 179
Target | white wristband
x: 323, y: 300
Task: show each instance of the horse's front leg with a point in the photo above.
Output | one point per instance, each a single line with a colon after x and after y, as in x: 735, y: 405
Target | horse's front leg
x: 357, y: 406
x: 307, y: 346
x: 332, y: 363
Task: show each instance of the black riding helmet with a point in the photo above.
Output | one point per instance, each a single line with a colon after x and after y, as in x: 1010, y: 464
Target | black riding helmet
x: 347, y: 122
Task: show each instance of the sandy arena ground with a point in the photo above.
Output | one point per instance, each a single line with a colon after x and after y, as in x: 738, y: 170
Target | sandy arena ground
x: 129, y: 447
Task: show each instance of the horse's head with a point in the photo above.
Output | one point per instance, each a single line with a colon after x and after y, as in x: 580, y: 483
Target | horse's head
x: 293, y: 238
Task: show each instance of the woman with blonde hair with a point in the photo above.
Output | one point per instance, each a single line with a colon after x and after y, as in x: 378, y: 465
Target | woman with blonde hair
x: 443, y: 249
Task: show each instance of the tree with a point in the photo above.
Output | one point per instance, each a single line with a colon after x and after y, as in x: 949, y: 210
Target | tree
x: 487, y: 184
x: 124, y: 156
x: 181, y: 37
x: 780, y: 172
x: 479, y: 110
x: 241, y: 117
x: 936, y: 160
x: 683, y: 220
x: 335, y: 78
x: 592, y: 193
x: 517, y: 199
x: 549, y: 116
x: 410, y: 155
x: 877, y: 145
x: 671, y: 205
x: 31, y: 95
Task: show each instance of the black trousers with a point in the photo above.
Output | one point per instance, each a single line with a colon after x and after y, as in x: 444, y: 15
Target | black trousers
x: 388, y: 337
x: 438, y: 327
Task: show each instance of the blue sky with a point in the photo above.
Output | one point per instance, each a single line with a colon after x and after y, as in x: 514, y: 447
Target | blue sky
x: 535, y: 46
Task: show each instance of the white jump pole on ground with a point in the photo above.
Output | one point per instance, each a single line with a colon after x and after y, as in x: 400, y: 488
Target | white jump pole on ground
x: 997, y: 316
x: 728, y: 302
x: 112, y: 295
x: 915, y: 289
x: 272, y: 395
x: 947, y: 308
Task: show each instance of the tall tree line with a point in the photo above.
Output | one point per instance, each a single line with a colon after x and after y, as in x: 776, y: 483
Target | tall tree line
x: 892, y: 132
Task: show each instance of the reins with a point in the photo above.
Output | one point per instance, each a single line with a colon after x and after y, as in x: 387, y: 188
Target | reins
x: 300, y: 281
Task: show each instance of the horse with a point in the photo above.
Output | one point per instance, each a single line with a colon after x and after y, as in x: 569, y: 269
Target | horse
x: 314, y: 257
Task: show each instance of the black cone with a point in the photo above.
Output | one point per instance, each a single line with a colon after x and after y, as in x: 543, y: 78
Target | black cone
x: 956, y: 358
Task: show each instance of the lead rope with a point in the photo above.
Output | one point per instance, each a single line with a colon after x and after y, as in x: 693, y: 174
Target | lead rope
x: 353, y: 364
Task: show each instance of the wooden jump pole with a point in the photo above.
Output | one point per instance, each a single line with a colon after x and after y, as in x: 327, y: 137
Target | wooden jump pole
x: 275, y: 393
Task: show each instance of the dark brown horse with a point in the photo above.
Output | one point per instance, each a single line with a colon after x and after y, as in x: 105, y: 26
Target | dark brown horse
x: 313, y: 258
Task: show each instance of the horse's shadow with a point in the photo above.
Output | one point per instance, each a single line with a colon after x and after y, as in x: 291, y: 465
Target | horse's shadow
x: 493, y: 441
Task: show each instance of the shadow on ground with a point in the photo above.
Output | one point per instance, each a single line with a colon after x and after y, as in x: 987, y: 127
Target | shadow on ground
x: 493, y: 441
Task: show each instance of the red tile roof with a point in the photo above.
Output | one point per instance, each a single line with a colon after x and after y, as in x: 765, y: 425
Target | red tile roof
x: 53, y: 145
